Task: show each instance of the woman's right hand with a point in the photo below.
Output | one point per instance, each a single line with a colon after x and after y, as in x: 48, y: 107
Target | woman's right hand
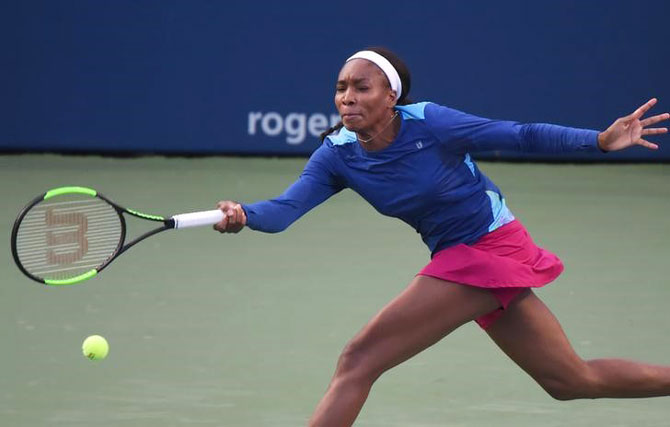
x: 234, y: 218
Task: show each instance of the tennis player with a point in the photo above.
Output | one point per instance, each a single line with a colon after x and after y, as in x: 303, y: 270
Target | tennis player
x: 412, y: 161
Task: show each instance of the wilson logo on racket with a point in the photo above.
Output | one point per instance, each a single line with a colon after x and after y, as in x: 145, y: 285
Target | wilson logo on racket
x: 70, y: 234
x: 66, y: 236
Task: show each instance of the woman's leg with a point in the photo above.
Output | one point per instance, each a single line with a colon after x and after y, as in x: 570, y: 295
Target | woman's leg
x: 426, y: 311
x: 531, y: 336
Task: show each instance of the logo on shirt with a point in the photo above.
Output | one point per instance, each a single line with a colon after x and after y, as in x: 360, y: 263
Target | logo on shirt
x: 419, y: 145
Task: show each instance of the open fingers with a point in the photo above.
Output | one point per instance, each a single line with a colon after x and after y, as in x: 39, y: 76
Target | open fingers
x: 654, y: 119
x: 641, y: 110
x: 654, y: 131
x: 647, y: 144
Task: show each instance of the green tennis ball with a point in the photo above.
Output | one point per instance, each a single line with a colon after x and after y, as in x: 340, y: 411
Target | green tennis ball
x: 95, y: 347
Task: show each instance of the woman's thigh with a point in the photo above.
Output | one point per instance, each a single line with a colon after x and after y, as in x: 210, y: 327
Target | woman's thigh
x: 533, y: 338
x: 426, y: 311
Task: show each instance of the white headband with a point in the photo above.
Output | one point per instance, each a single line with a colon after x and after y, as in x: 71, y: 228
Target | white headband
x: 385, y: 65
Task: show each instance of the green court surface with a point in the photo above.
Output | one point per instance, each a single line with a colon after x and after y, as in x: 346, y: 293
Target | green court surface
x: 244, y: 330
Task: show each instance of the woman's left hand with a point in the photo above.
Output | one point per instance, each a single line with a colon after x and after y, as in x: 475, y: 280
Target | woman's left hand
x: 630, y: 130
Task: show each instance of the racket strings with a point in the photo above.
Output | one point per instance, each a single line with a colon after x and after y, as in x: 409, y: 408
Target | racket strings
x: 63, y: 237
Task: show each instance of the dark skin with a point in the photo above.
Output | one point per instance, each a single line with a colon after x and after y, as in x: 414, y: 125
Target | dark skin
x: 366, y: 102
x: 429, y: 308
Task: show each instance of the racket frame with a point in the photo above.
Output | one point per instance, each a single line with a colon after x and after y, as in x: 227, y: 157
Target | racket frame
x: 168, y: 223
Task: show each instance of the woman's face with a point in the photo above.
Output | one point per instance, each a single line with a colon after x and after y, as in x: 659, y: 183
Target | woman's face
x: 363, y: 96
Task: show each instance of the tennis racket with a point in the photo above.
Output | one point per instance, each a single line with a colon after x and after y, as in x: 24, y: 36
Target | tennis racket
x: 70, y: 234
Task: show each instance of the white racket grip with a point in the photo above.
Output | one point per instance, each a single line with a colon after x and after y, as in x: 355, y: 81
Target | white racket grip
x: 197, y: 219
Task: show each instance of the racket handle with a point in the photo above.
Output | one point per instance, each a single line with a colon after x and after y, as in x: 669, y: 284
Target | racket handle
x: 196, y: 219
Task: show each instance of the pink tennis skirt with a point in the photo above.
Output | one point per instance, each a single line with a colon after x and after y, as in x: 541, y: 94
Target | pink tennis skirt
x: 506, y: 261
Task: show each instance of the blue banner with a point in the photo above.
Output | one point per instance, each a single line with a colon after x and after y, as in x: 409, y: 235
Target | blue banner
x: 204, y: 77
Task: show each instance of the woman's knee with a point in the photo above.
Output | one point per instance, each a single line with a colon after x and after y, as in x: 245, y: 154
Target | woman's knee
x: 581, y: 383
x: 357, y: 361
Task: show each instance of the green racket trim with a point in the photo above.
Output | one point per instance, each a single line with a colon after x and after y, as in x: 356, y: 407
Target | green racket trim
x: 89, y: 274
x: 66, y: 190
x: 146, y: 216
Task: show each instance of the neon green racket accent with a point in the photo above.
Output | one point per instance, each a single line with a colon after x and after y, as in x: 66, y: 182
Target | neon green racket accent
x: 85, y: 276
x: 147, y: 216
x: 65, y: 190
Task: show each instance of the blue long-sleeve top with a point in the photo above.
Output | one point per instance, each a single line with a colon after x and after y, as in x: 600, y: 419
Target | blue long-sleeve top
x: 425, y: 177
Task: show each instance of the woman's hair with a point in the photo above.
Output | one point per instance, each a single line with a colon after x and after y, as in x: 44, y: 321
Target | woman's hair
x: 405, y: 79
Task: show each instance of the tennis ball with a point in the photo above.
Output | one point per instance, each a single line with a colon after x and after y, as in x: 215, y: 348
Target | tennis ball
x: 95, y: 347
